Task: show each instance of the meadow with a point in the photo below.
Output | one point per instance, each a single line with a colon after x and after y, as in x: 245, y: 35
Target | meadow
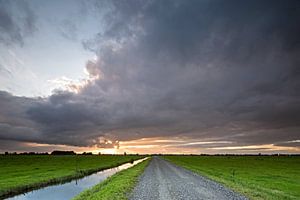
x: 257, y: 177
x: 19, y: 173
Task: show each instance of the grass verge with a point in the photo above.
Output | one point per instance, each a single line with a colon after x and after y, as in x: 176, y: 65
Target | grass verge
x: 257, y: 177
x: 116, y: 187
x: 19, y: 174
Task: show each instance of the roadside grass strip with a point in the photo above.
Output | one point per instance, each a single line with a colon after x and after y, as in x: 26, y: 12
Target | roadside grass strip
x: 117, y: 187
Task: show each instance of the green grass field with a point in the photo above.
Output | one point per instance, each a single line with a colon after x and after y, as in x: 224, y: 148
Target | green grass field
x: 116, y: 187
x: 24, y: 172
x: 257, y: 177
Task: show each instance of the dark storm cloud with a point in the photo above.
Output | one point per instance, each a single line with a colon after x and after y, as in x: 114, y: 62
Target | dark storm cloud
x: 14, y: 123
x: 221, y: 70
x: 59, y: 119
x: 17, y: 21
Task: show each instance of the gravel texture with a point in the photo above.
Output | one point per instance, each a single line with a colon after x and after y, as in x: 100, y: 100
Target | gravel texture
x: 166, y: 181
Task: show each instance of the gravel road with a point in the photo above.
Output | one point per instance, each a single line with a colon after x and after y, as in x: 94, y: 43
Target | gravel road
x: 162, y: 180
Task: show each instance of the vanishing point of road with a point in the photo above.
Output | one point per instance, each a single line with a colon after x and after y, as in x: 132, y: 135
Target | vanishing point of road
x: 163, y: 180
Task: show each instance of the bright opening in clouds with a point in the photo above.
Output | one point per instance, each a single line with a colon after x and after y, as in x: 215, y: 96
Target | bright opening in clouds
x: 173, y: 76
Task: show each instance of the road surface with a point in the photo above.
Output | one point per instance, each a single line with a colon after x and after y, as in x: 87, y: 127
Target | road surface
x: 162, y: 180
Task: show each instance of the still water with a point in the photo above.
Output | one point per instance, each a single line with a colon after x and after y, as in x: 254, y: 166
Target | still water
x: 71, y: 189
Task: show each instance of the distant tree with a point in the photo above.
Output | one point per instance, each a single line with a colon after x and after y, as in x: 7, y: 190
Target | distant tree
x: 87, y: 153
x: 6, y: 153
x: 56, y: 152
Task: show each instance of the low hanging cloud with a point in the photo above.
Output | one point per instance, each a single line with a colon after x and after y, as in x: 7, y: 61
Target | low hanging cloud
x: 200, y: 70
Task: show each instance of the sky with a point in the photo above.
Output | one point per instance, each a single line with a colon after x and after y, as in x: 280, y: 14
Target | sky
x: 150, y: 76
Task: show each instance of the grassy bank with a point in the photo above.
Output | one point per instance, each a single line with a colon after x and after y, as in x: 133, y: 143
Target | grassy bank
x: 116, y: 187
x: 257, y: 177
x: 20, y: 173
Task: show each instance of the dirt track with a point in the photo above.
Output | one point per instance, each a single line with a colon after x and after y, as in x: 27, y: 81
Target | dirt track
x: 165, y: 181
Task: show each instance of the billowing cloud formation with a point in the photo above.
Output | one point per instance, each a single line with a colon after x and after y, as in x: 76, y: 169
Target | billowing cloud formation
x: 198, y: 70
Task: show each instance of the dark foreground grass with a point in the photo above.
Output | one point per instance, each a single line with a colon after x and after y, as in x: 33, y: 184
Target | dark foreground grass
x: 116, y: 187
x: 257, y: 177
x: 20, y: 173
